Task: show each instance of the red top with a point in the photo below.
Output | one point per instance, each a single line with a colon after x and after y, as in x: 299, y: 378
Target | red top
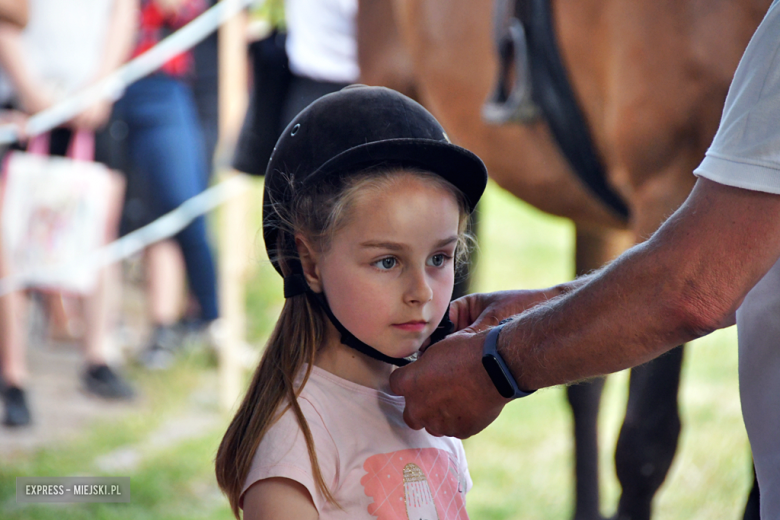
x: 156, y: 25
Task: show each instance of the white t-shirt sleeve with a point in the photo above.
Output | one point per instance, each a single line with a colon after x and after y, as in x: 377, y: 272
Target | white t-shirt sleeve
x: 746, y: 150
x: 283, y: 453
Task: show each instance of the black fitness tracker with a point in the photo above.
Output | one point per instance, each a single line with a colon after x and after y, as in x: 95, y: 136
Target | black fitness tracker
x: 496, y: 367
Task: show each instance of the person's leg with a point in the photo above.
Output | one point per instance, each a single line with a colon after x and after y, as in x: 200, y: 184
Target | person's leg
x: 758, y: 331
x: 648, y: 438
x: 164, y: 282
x: 13, y: 365
x: 99, y: 309
x: 753, y: 502
x: 166, y: 149
x: 12, y: 359
x: 165, y: 274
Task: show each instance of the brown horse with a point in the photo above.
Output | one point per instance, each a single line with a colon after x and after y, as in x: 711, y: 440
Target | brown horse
x: 650, y: 78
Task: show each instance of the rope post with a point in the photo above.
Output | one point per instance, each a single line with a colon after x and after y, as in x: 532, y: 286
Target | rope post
x: 232, y: 225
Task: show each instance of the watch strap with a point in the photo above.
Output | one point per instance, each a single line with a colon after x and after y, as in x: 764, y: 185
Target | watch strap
x: 497, y: 368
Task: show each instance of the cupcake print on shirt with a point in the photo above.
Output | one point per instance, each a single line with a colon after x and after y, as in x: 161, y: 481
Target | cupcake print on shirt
x: 416, y: 484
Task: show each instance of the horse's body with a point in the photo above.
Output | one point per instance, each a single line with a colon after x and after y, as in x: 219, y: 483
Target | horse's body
x: 651, y: 77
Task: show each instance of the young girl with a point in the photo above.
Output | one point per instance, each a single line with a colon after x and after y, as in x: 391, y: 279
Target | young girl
x: 364, y: 215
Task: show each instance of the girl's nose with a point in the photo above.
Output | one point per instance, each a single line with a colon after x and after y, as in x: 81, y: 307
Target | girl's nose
x: 419, y: 288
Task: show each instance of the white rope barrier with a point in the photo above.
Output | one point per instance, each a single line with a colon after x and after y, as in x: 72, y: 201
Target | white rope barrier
x: 112, y: 87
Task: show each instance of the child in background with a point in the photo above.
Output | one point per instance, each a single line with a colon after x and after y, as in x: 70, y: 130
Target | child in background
x: 364, y: 215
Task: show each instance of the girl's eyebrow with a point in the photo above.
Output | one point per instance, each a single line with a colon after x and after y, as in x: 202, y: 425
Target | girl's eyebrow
x: 447, y: 241
x: 395, y: 246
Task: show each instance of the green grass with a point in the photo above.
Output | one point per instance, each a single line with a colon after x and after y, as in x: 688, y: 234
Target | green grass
x: 521, y: 465
x: 171, y: 481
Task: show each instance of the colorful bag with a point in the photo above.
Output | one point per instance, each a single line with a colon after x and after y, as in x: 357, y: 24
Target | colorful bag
x: 55, y: 212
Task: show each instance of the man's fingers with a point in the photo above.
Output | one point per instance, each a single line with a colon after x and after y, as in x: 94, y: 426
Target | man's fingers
x: 458, y: 313
x: 468, y: 309
x: 485, y: 321
x: 411, y: 423
x: 398, y: 385
x: 397, y: 381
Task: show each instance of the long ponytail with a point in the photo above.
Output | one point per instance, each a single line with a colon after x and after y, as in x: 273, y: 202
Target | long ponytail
x: 273, y: 384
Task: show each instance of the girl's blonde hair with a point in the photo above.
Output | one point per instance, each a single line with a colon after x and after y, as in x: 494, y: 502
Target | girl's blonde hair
x: 300, y: 329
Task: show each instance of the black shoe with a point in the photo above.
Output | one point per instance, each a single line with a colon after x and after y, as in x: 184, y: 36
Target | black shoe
x: 104, y: 382
x: 16, y: 411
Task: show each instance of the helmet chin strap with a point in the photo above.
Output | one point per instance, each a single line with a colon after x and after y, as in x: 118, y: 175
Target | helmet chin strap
x: 295, y: 284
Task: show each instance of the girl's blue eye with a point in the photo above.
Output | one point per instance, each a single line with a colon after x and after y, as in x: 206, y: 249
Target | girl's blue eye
x: 438, y: 260
x: 386, y: 263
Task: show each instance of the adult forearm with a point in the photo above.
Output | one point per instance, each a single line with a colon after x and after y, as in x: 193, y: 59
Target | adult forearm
x: 121, y: 36
x: 33, y: 95
x: 614, y: 321
x: 685, y: 282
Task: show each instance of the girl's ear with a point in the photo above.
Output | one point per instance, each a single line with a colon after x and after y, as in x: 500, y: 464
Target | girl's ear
x: 309, y: 262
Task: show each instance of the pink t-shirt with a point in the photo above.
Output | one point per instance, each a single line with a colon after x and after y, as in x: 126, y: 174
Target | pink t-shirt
x: 374, y: 464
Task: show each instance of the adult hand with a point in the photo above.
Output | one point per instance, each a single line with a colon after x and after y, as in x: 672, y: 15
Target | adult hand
x: 477, y: 312
x: 447, y: 390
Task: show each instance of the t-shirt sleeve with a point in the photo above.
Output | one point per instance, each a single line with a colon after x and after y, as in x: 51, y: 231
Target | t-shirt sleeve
x: 283, y: 453
x: 745, y: 152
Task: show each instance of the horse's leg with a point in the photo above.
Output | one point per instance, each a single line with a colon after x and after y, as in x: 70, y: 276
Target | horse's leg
x: 595, y: 247
x: 648, y: 438
x: 584, y: 400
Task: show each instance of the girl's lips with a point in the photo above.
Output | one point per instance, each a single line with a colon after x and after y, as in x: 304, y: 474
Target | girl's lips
x: 412, y: 326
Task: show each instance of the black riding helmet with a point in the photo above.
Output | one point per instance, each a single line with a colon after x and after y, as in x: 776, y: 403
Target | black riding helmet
x: 346, y: 132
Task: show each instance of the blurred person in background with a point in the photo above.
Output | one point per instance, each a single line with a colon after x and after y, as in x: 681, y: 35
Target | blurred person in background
x: 314, y: 56
x: 65, y: 47
x: 167, y: 148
